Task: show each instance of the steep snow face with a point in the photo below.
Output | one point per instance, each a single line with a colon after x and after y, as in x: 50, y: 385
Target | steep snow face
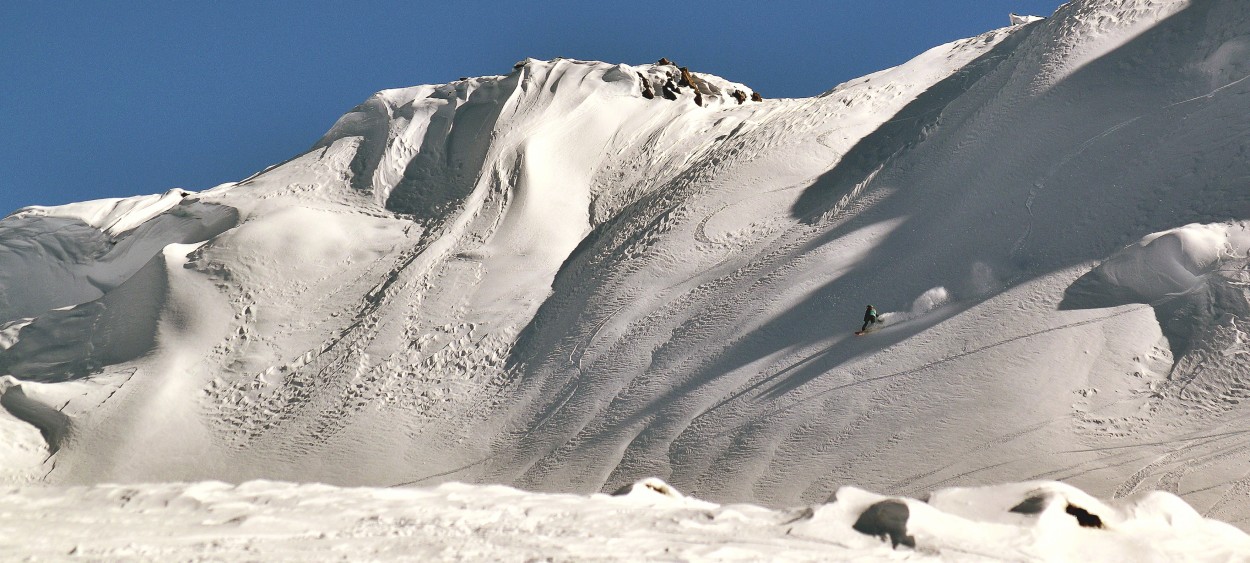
x: 580, y: 274
x: 1086, y: 31
x: 62, y: 256
x: 409, y: 247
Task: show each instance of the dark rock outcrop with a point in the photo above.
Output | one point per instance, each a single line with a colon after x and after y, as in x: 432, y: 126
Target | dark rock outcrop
x: 689, y: 80
x: 1084, y: 517
x: 1032, y: 505
x: 670, y: 89
x: 685, y: 79
x: 647, y: 92
x: 887, y: 518
x: 1037, y: 504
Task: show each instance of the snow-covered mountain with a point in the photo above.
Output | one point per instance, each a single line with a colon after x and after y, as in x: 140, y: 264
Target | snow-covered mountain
x: 563, y: 280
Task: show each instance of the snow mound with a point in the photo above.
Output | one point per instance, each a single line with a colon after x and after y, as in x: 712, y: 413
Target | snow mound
x: 112, y: 216
x: 291, y: 522
x: 23, y: 446
x: 1168, y: 263
x: 1021, y: 20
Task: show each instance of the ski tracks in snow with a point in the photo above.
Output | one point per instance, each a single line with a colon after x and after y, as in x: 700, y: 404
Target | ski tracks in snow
x: 946, y: 359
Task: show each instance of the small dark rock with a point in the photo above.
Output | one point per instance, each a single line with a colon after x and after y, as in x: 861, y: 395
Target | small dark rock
x: 664, y: 61
x: 647, y: 92
x: 887, y: 518
x: 689, y: 80
x: 1032, y: 505
x: 669, y: 89
x: 756, y: 97
x: 740, y: 96
x: 654, y: 485
x: 1084, y: 517
x: 685, y: 77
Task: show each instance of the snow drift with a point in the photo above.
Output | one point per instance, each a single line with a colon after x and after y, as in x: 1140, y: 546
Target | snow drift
x: 580, y: 274
x: 648, y: 520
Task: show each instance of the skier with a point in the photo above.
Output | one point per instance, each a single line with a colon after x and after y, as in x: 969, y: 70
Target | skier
x: 870, y: 318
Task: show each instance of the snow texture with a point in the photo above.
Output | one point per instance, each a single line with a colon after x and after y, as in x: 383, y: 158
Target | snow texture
x: 214, y: 521
x: 578, y: 274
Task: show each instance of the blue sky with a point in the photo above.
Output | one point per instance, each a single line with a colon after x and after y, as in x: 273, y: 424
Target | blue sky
x: 111, y: 99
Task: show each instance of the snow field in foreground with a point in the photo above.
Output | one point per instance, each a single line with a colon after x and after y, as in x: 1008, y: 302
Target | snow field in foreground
x: 270, y: 520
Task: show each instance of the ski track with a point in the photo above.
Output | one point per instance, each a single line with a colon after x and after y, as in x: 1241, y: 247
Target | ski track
x: 940, y: 361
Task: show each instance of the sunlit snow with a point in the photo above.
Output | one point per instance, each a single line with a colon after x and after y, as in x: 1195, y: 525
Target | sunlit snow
x: 578, y: 275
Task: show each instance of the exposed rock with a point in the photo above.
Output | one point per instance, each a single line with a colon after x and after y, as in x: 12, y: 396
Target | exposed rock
x: 886, y: 518
x: 686, y: 79
x: 756, y: 97
x: 1084, y: 517
x: 648, y: 485
x: 740, y: 96
x: 1036, y: 504
x: 689, y: 80
x: 670, y: 89
x: 1032, y: 505
x: 647, y: 92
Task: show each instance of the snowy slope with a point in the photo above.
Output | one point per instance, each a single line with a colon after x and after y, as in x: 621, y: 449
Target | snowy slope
x: 549, y: 280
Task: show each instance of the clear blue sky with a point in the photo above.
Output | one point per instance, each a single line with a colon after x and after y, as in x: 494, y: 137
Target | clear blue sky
x: 119, y: 98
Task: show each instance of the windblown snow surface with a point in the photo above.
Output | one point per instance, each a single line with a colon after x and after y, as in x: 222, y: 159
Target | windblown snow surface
x: 561, y: 280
